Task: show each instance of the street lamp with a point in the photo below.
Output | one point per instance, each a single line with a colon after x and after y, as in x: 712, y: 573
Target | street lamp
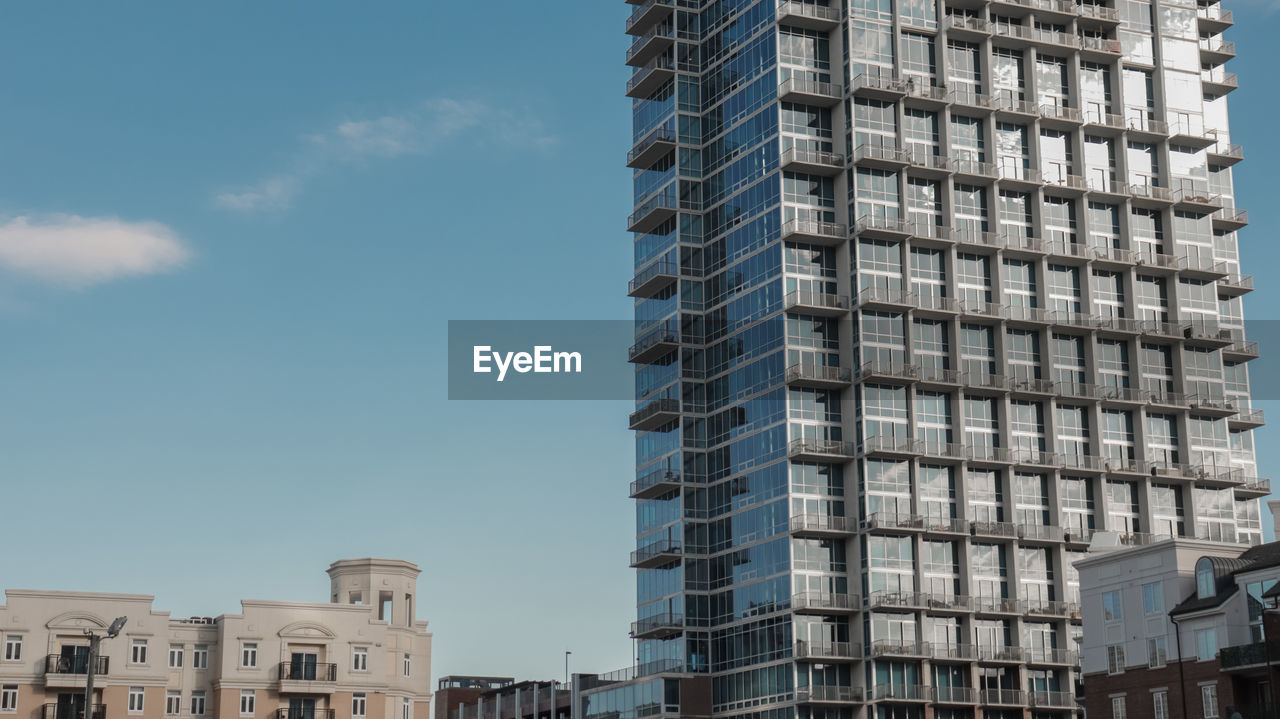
x: 94, y: 640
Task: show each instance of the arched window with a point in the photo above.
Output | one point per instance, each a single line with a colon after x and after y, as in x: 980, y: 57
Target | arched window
x: 1205, y: 584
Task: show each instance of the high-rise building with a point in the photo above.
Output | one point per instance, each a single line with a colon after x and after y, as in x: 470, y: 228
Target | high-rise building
x: 362, y: 655
x: 926, y: 293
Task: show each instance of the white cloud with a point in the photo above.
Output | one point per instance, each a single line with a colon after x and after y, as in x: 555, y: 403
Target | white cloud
x: 418, y: 131
x: 275, y: 193
x: 78, y: 251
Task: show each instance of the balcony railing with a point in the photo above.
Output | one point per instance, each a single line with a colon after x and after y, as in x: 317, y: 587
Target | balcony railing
x: 819, y: 374
x: 802, y: 89
x: 1003, y: 697
x: 655, y: 484
x: 308, y: 672
x: 1052, y: 699
x: 303, y: 713
x: 887, y: 647
x: 815, y: 231
x: 823, y: 601
x: 660, y: 625
x: 955, y: 695
x: 1000, y: 654
x: 59, y: 664
x: 1051, y: 656
x: 64, y: 711
x: 826, y: 650
x: 655, y: 554
x: 829, y: 694
x: 656, y: 413
x: 821, y: 448
x: 902, y: 692
x: 822, y: 524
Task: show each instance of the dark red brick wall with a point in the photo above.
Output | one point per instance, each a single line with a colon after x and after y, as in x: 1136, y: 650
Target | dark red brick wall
x: 1136, y: 684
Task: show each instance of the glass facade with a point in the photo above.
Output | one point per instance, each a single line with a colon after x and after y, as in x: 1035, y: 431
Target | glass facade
x: 927, y: 293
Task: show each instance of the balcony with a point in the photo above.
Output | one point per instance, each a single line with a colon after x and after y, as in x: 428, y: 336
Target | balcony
x: 902, y: 693
x: 78, y: 665
x: 1241, y: 351
x: 926, y: 163
x: 648, y: 15
x: 1247, y: 656
x: 1018, y: 177
x: 654, y: 414
x: 1100, y: 13
x: 656, y: 484
x: 955, y: 695
x: 815, y: 303
x: 884, y: 297
x: 886, y: 446
x: 1216, y: 81
x: 651, y: 148
x: 1225, y: 155
x: 968, y: 98
x: 887, y: 228
x: 302, y: 713
x: 661, y: 553
x: 1150, y: 196
x: 962, y: 27
x: 651, y: 76
x: 1052, y: 656
x: 652, y: 280
x: 1052, y: 700
x: 1003, y: 697
x: 893, y: 522
x: 888, y: 372
x: 653, y: 212
x: 818, y: 376
x: 1213, y: 19
x: 651, y: 44
x: 813, y: 232
x: 822, y: 526
x: 813, y: 162
x: 899, y: 600
x: 653, y: 346
x: 973, y: 170
x: 1050, y: 608
x: 809, y: 16
x: 1099, y: 49
x: 1000, y: 655
x: 824, y: 603
x: 821, y: 450
x: 1039, y: 533
x: 1060, y: 116
x: 55, y: 711
x: 889, y: 648
x: 1103, y: 123
x: 307, y: 673
x: 810, y: 92
x: 880, y: 87
x: 1074, y: 184
x: 1216, y: 52
x: 1254, y: 487
x: 885, y: 157
x: 824, y: 695
x: 1229, y: 219
x: 953, y: 652
x: 827, y: 651
x: 997, y: 605
x: 927, y: 96
x: 946, y: 525
x: 659, y: 626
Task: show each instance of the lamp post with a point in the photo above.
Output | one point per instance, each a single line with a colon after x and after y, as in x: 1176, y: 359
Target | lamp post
x: 94, y: 641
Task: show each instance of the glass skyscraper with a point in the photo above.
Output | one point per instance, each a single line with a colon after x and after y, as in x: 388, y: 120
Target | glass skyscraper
x: 927, y: 293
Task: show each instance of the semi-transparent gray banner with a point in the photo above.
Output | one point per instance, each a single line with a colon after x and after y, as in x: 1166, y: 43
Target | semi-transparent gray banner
x: 589, y: 359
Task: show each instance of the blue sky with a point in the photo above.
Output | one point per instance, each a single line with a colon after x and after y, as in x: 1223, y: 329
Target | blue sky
x: 230, y: 239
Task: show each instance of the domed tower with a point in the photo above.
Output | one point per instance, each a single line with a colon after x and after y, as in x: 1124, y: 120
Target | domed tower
x: 390, y: 585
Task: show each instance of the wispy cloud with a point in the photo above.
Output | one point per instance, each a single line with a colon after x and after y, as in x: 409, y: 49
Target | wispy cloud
x: 418, y: 131
x: 73, y: 251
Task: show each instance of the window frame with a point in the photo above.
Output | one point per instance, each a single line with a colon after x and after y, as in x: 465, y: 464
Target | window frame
x: 359, y: 704
x: 138, y: 652
x: 139, y: 706
x: 176, y: 652
x: 9, y: 694
x: 13, y: 647
x: 248, y: 702
x: 248, y: 655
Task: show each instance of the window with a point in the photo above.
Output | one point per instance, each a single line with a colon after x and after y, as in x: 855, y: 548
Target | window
x: 360, y: 659
x: 175, y: 656
x: 1209, y: 698
x: 1115, y: 659
x: 1112, y: 606
x: 139, y: 653
x: 406, y: 709
x: 246, y: 702
x: 1117, y: 708
x: 136, y: 695
x: 1160, y: 705
x: 200, y: 656
x: 358, y: 704
x: 197, y: 704
x: 1153, y: 598
x: 408, y: 664
x: 13, y: 647
x: 1205, y: 584
x: 1157, y: 652
x: 1206, y: 644
x: 9, y: 698
x: 249, y: 655
x: 172, y: 703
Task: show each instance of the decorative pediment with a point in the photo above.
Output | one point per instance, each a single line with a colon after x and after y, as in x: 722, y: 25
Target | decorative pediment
x: 77, y: 620
x: 306, y: 630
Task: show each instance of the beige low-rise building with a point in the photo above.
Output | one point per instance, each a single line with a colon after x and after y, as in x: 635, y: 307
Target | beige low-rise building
x: 362, y: 655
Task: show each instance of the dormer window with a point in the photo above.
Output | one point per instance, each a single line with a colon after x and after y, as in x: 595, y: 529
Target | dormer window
x: 1205, y: 585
